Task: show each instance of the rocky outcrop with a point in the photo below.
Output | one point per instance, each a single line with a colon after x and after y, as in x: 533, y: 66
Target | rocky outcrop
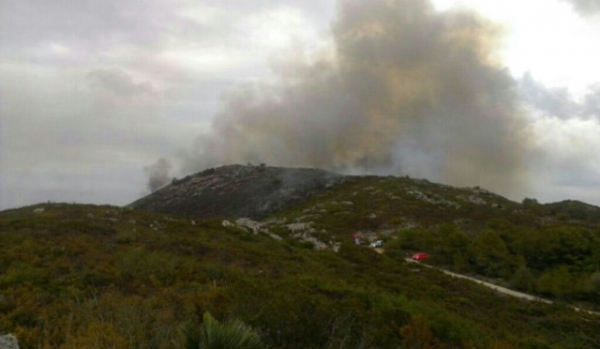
x: 9, y: 341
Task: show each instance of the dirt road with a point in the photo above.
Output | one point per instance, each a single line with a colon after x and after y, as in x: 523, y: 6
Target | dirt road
x: 497, y: 288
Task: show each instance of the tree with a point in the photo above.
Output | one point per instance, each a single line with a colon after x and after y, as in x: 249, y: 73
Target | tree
x: 523, y: 279
x: 558, y: 283
x: 453, y: 247
x: 418, y: 239
x: 491, y: 255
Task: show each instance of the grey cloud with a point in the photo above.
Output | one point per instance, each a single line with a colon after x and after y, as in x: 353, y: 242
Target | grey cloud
x: 558, y: 102
x: 60, y: 144
x: 564, y: 163
x: 118, y: 82
x: 586, y: 7
x: 553, y: 101
x: 591, y: 104
x: 405, y: 80
x: 95, y: 25
x: 317, y: 9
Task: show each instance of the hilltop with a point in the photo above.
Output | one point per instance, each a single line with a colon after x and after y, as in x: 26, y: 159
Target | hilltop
x: 237, y: 191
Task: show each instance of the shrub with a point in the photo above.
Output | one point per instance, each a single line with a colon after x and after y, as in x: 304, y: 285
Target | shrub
x: 231, y: 334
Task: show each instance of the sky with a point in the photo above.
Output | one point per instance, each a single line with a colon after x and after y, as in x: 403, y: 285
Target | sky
x: 103, y: 101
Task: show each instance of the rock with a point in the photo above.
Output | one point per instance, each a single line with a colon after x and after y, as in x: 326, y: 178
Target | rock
x: 294, y: 227
x: 9, y: 341
x: 38, y: 210
x: 249, y: 223
x: 275, y: 236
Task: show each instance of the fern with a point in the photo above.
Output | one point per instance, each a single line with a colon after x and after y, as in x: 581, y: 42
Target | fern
x: 231, y: 334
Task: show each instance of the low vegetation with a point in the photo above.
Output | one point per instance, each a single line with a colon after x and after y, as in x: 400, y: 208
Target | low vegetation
x: 80, y: 276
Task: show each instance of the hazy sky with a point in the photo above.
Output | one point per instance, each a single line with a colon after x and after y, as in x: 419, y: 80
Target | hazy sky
x: 94, y: 93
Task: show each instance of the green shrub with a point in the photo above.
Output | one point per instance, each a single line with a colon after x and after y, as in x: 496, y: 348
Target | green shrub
x: 231, y: 334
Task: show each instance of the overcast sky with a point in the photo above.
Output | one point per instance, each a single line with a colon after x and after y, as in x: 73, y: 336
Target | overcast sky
x: 94, y: 93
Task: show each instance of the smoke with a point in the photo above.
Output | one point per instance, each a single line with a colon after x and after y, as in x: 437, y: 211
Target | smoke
x: 586, y: 7
x: 158, y: 174
x: 404, y: 90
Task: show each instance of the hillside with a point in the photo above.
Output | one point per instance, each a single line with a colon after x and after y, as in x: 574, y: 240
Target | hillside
x: 552, y: 250
x: 75, y: 276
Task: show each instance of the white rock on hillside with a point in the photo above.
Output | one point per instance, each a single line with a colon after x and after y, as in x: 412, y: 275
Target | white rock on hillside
x: 9, y: 342
x: 248, y: 223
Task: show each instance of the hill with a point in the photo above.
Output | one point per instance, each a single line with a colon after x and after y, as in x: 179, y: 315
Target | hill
x: 257, y: 192
x: 237, y: 191
x: 74, y: 276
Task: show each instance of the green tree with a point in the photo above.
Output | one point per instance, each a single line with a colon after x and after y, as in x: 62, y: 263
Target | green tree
x: 453, y: 247
x: 558, y: 283
x: 491, y: 255
x: 418, y: 239
x: 523, y: 279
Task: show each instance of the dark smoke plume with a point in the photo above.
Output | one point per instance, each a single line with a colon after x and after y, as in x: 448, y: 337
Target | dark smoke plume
x: 405, y: 90
x: 158, y: 174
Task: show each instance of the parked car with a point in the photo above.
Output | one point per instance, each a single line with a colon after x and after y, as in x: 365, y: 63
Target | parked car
x: 420, y: 256
x: 377, y: 243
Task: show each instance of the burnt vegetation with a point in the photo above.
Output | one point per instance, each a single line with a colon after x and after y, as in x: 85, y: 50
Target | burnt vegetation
x: 236, y: 191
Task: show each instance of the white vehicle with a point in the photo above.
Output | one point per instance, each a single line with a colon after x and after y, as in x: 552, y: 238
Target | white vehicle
x: 377, y: 243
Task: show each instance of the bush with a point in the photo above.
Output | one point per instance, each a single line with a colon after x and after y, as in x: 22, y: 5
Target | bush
x: 231, y: 334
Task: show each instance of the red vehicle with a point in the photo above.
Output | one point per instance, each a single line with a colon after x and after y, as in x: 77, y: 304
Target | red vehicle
x: 420, y: 256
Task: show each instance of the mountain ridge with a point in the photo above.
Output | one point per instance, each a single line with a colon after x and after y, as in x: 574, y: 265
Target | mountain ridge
x: 256, y: 192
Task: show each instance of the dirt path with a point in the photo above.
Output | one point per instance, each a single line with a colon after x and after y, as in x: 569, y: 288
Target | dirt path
x: 497, y: 288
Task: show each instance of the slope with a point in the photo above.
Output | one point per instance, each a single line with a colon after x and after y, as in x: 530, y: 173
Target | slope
x: 74, y: 276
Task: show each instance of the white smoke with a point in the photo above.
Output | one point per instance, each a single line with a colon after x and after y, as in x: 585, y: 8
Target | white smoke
x: 407, y: 90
